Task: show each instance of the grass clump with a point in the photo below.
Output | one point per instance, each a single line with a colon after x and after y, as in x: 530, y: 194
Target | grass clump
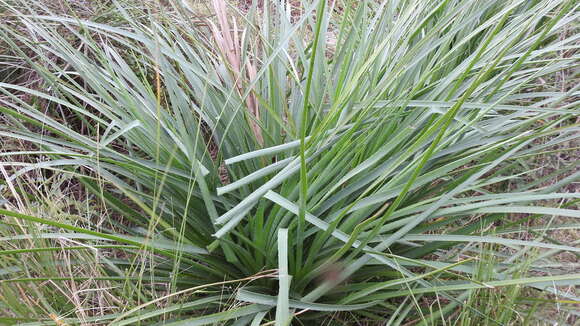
x: 331, y: 163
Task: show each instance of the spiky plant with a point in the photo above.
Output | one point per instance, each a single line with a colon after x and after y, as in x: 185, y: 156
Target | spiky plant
x: 287, y: 164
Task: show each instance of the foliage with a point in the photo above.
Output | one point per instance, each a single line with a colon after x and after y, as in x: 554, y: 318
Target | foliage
x: 388, y: 138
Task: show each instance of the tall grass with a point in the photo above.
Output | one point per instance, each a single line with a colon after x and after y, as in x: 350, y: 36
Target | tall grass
x: 351, y: 158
